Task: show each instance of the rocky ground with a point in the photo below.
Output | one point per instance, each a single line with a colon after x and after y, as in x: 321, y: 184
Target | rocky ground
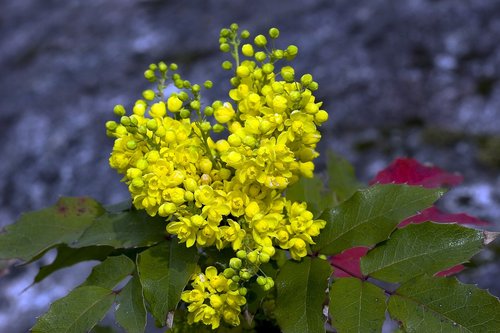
x: 412, y: 78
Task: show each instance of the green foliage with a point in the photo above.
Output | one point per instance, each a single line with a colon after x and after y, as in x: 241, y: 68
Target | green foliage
x: 79, y: 311
x: 357, y: 306
x: 131, y: 310
x: 434, y: 246
x: 227, y: 270
x: 428, y: 304
x: 370, y: 215
x: 301, y: 288
x: 164, y: 271
x: 39, y: 231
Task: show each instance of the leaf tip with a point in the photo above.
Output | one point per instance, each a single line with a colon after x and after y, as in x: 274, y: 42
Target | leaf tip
x: 490, y: 236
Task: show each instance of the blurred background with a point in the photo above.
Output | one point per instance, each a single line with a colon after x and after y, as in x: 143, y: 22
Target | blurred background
x: 415, y: 78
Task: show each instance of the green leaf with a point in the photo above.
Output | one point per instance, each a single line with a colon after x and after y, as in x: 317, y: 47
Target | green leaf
x: 370, y: 215
x: 356, y: 306
x: 311, y: 191
x: 110, y: 272
x: 342, y: 179
x: 164, y: 271
x: 67, y: 256
x: 127, y: 229
x: 428, y: 304
x: 418, y: 249
x: 79, y: 311
x: 301, y: 288
x: 131, y: 311
x: 38, y: 231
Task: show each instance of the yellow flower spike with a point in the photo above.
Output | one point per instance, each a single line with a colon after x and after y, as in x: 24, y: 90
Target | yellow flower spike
x: 225, y: 113
x: 158, y: 110
x: 174, y: 104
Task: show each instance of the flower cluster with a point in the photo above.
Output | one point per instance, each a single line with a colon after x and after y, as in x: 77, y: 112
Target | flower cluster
x: 228, y: 192
x: 214, y: 296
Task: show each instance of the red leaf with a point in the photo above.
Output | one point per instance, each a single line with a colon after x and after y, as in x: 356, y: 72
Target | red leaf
x: 410, y: 171
x: 436, y: 215
x: 346, y: 264
x: 450, y: 271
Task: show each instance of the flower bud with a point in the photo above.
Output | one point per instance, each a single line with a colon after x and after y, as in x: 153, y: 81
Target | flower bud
x: 119, y: 110
x: 247, y: 50
x: 235, y: 263
x: 260, y: 40
x: 274, y: 33
x: 174, y: 104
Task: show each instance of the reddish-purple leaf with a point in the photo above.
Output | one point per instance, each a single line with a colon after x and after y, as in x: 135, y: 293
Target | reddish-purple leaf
x: 410, y: 171
x: 346, y: 264
x: 450, y: 271
x: 435, y: 215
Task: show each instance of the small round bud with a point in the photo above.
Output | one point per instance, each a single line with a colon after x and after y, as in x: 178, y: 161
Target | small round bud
x: 153, y: 67
x: 222, y: 40
x: 167, y: 209
x: 186, y: 84
x: 111, y: 125
x: 252, y: 257
x: 131, y: 144
x: 236, y: 278
x: 261, y: 280
x: 205, y: 126
x: 152, y: 125
x: 125, y: 121
x: 247, y: 50
x: 179, y: 84
x: 321, y: 116
x: 208, y: 84
x: 227, y: 65
x: 278, y: 54
x: 242, y: 291
x: 260, y: 40
x: 218, y: 128
x: 183, y: 96
x: 234, y: 26
x: 242, y: 71
x: 228, y: 273
x: 224, y: 32
x: 235, y: 263
x: 173, y: 67
x: 148, y: 95
x: 162, y: 66
x: 224, y: 47
x: 295, y: 96
x: 184, y: 113
x: 306, y: 79
x: 245, y: 34
x: 268, y: 68
x: 245, y: 274
x: 149, y: 75
x: 195, y: 105
x: 196, y: 88
x: 260, y: 56
x: 264, y: 257
x: 241, y: 254
x: 288, y: 73
x: 208, y: 111
x: 313, y: 86
x: 119, y: 110
x: 291, y: 51
x: 234, y: 81
x: 274, y: 33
